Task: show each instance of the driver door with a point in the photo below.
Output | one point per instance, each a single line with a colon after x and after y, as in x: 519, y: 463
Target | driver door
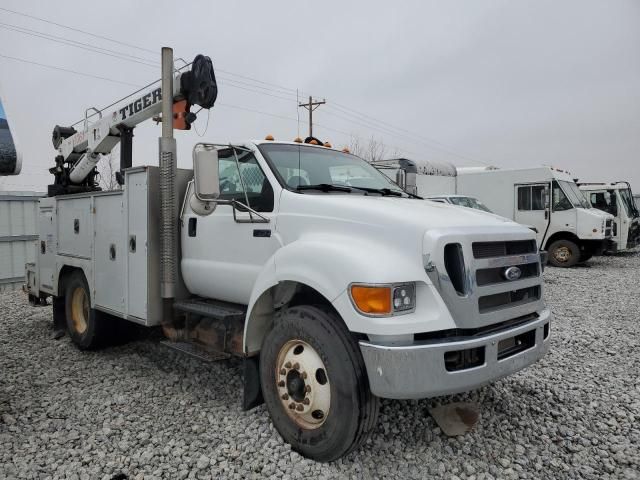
x: 225, y: 252
x: 532, y: 208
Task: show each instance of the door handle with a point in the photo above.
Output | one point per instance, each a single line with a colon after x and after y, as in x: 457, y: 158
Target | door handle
x: 262, y: 233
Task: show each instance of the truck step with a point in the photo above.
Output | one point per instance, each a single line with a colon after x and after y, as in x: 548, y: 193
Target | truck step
x: 196, y: 351
x: 212, y: 309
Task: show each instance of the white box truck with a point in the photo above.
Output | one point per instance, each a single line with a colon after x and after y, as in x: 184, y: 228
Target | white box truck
x: 333, y: 294
x: 544, y: 198
x: 616, y: 199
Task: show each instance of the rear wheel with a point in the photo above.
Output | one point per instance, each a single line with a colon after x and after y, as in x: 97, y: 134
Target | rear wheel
x: 564, y: 253
x: 85, y: 326
x: 315, y: 384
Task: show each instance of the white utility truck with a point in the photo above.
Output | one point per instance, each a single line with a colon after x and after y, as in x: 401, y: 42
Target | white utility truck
x: 544, y: 198
x: 616, y: 199
x: 334, y: 294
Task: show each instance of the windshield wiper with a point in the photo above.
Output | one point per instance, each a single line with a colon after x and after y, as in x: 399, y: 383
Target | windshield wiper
x: 382, y: 191
x: 325, y: 187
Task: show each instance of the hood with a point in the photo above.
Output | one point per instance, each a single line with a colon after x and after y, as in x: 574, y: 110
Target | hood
x: 599, y: 213
x: 388, y: 212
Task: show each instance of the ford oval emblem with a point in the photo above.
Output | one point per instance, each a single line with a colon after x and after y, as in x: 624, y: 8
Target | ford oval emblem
x: 512, y: 273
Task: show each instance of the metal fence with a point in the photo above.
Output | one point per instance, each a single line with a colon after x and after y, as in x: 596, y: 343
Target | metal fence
x: 18, y: 236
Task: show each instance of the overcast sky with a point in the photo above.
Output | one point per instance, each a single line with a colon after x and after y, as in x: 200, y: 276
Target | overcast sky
x: 507, y: 83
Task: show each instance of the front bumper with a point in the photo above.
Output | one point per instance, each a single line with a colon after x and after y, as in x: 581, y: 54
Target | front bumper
x: 419, y: 371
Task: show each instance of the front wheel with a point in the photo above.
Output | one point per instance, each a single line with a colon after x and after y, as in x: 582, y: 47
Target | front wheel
x: 564, y: 253
x: 315, y: 384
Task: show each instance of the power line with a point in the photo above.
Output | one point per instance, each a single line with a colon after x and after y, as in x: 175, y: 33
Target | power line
x: 439, y: 145
x: 68, y: 71
x: 77, y: 30
x: 73, y: 43
x: 280, y: 89
x: 283, y: 117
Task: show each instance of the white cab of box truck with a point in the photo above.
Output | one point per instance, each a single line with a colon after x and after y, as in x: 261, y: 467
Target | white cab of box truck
x: 617, y: 199
x: 334, y: 286
x: 542, y: 198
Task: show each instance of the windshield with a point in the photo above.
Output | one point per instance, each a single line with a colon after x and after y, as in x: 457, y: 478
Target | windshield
x: 299, y: 166
x: 627, y: 201
x: 469, y: 202
x: 574, y: 194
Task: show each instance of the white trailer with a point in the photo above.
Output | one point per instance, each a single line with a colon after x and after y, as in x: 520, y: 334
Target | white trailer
x: 334, y: 286
x: 543, y: 198
x: 616, y: 199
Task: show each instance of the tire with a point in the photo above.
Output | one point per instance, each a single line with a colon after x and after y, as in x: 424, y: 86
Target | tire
x: 564, y: 253
x: 85, y: 326
x: 316, y: 341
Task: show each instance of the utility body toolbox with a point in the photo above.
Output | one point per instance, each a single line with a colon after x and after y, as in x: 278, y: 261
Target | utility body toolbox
x: 113, y: 237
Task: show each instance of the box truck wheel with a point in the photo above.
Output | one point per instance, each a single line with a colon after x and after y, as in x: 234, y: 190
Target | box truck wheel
x: 564, y: 253
x: 84, y: 324
x: 315, y: 384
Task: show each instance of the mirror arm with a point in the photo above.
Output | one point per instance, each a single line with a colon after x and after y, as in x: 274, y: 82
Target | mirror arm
x: 244, y: 189
x: 184, y: 201
x: 235, y: 204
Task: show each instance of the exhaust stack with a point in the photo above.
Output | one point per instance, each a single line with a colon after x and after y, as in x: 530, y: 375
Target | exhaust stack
x: 168, y: 194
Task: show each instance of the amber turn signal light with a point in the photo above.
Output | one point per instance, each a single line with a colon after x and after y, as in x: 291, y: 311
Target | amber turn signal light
x: 372, y: 300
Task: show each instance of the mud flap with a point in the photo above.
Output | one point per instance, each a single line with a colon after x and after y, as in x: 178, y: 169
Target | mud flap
x: 59, y: 320
x: 252, y: 391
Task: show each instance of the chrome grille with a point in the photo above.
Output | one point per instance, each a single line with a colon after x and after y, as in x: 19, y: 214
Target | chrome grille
x: 500, y: 249
x: 489, y: 303
x: 486, y: 297
x: 489, y: 276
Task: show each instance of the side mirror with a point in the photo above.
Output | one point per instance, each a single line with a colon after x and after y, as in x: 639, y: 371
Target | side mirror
x: 205, y: 172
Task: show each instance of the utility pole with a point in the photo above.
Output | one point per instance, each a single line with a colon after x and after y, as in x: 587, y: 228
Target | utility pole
x: 311, y: 106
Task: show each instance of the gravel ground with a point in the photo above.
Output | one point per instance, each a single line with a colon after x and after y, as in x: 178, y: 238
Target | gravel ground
x: 147, y: 412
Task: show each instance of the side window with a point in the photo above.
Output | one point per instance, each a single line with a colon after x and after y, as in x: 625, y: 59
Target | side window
x: 560, y: 200
x: 537, y: 197
x: 524, y: 198
x: 247, y: 184
x: 531, y: 197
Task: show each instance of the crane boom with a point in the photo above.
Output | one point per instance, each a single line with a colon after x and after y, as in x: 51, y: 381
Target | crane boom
x: 80, y: 151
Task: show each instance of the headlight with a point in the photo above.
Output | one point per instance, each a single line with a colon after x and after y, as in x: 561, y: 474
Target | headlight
x: 383, y: 300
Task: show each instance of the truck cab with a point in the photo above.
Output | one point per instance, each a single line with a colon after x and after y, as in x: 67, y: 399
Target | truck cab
x: 616, y: 199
